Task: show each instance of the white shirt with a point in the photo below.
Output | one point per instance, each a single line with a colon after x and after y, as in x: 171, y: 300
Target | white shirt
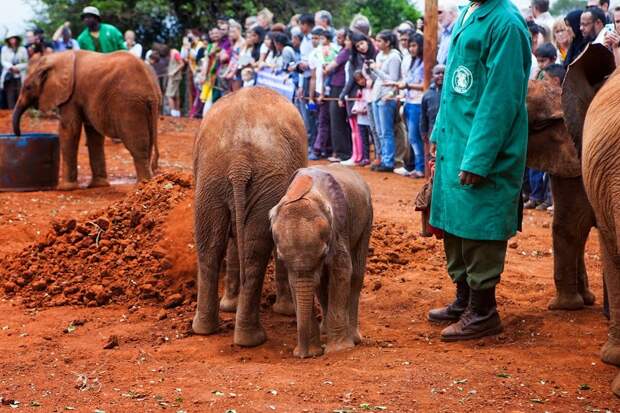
x: 136, y: 50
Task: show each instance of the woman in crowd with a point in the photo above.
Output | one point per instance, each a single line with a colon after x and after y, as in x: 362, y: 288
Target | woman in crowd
x: 232, y: 75
x: 562, y: 38
x: 281, y: 53
x: 413, y: 84
x: 573, y: 21
x: 385, y: 71
x: 14, y: 64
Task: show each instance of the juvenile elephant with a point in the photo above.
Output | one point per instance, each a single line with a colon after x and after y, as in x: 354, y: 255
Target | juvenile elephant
x: 552, y: 150
x: 109, y: 94
x: 321, y: 229
x: 248, y: 147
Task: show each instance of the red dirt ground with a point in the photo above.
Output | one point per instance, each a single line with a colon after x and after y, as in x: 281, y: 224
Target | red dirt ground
x: 51, y: 342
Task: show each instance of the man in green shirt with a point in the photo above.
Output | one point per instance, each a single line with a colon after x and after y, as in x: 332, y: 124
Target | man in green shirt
x: 481, y: 142
x: 97, y: 36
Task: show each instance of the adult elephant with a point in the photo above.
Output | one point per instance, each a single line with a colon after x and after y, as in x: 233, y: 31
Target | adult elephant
x: 248, y: 147
x: 552, y: 150
x: 109, y: 94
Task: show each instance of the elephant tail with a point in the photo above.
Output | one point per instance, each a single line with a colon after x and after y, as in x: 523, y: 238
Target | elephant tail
x: 153, y: 116
x: 239, y: 176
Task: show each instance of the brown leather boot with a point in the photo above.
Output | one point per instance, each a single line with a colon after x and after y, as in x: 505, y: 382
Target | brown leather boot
x: 454, y: 310
x: 479, y: 320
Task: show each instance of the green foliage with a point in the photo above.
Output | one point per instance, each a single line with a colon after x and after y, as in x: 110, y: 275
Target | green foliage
x: 562, y: 7
x: 165, y: 20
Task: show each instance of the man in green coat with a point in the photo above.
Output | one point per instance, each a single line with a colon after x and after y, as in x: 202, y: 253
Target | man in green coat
x: 481, y: 141
x: 97, y: 36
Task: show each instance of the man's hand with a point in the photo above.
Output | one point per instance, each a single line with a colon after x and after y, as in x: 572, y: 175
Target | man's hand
x: 467, y: 178
x: 433, y: 150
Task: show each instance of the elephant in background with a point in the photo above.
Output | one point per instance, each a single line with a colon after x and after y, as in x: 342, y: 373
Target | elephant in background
x: 248, y: 147
x: 551, y: 149
x: 321, y: 229
x: 109, y: 94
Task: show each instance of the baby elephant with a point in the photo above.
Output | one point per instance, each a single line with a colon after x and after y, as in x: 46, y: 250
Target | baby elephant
x: 321, y: 229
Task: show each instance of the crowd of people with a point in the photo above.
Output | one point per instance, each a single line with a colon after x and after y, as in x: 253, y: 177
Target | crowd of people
x: 355, y: 91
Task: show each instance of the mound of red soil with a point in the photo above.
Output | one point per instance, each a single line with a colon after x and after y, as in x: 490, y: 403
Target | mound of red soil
x: 109, y: 257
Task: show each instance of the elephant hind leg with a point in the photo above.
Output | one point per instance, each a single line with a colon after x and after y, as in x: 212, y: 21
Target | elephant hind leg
x: 357, y: 282
x: 583, y: 284
x: 96, y: 155
x: 212, y: 225
x: 69, y: 131
x: 137, y: 142
x: 610, y: 352
x: 228, y: 303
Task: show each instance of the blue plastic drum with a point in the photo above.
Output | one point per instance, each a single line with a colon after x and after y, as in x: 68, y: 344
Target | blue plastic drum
x: 29, y: 162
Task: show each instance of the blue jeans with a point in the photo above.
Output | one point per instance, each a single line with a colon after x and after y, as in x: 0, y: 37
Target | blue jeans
x: 412, y: 116
x: 387, y: 112
x: 537, y: 185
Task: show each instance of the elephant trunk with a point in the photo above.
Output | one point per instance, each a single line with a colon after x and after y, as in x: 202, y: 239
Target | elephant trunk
x: 304, y: 294
x: 17, y: 116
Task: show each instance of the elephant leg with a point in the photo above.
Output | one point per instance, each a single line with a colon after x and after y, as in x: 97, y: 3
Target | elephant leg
x: 138, y: 146
x: 212, y: 225
x: 583, y: 284
x: 228, y: 303
x: 611, y: 265
x: 69, y: 132
x: 322, y: 293
x: 258, y: 246
x: 338, y: 324
x: 571, y: 225
x: 284, y: 300
x: 96, y: 155
x: 357, y: 282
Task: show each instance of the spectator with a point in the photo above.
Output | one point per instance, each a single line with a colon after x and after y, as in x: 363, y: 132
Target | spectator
x: 175, y: 75
x: 562, y: 38
x: 264, y: 18
x: 37, y: 47
x: 542, y: 17
x: 250, y: 22
x: 430, y: 103
x: 63, y: 39
x: 403, y: 46
x: 573, y: 20
x: 131, y: 45
x: 294, y: 21
x: 151, y: 63
x: 535, y: 35
x: 306, y: 23
x: 592, y: 22
x: 97, y: 36
x: 447, y: 19
x: 361, y: 24
x: 612, y: 38
x: 603, y: 5
x: 481, y: 136
x: 14, y: 58
x: 339, y: 125
x: 413, y: 84
x: 323, y: 19
x: 386, y: 71
x: 546, y: 55
x: 359, y: 122
x: 554, y: 74
x: 233, y: 74
x: 283, y: 52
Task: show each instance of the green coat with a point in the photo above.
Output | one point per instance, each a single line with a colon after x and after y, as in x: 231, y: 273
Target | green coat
x: 110, y: 39
x: 482, y: 124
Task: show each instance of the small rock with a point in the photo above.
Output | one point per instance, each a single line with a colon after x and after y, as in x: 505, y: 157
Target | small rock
x: 166, y: 264
x: 39, y: 285
x: 156, y: 253
x: 162, y: 315
x: 377, y: 286
x: 173, y: 300
x: 103, y: 223
x: 513, y: 245
x: 112, y: 342
x: 10, y: 287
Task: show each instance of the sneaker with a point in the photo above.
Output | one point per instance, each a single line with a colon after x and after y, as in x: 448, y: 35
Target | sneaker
x: 550, y: 209
x: 348, y: 162
x: 416, y: 175
x: 543, y: 207
x: 364, y: 162
x: 313, y: 157
x: 384, y: 168
x: 531, y: 204
x: 334, y: 159
x: 401, y: 171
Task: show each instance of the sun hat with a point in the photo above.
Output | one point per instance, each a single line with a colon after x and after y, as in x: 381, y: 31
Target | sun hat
x: 92, y: 11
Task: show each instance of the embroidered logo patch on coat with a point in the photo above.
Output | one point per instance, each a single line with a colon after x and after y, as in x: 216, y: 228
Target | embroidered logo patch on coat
x: 462, y: 80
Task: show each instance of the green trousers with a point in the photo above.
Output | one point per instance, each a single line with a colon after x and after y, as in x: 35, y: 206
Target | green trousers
x: 479, y: 262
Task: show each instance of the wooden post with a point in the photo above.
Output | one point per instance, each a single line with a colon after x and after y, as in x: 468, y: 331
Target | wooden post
x: 431, y: 30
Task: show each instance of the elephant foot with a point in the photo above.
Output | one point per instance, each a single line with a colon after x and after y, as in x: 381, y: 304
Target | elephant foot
x: 201, y: 325
x: 567, y: 302
x: 615, y: 385
x: 228, y: 304
x: 67, y: 186
x: 588, y: 297
x: 250, y: 337
x: 339, y: 345
x: 610, y: 353
x: 284, y: 306
x: 313, y: 350
x: 98, y: 183
x: 356, y: 336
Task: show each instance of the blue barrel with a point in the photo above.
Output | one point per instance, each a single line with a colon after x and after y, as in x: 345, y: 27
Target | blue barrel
x: 29, y: 162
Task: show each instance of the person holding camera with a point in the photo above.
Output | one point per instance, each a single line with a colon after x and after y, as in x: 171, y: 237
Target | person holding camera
x: 612, y: 36
x: 63, y: 39
x: 14, y: 59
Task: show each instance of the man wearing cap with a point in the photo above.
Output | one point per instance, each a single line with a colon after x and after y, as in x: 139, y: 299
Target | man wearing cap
x: 481, y: 143
x: 97, y: 36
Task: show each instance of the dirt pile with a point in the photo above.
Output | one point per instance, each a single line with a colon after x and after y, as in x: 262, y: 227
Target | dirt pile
x: 109, y: 257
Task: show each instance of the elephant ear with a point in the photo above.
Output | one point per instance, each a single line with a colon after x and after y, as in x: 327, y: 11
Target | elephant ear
x: 301, y: 185
x: 57, y: 79
x: 544, y: 104
x: 334, y: 198
x: 584, y: 78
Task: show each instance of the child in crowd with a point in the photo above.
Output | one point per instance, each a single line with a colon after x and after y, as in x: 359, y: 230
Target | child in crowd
x: 430, y: 108
x: 546, y: 55
x: 360, y: 124
x: 554, y: 74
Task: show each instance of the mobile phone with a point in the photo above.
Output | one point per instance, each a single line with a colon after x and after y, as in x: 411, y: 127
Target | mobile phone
x: 610, y: 27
